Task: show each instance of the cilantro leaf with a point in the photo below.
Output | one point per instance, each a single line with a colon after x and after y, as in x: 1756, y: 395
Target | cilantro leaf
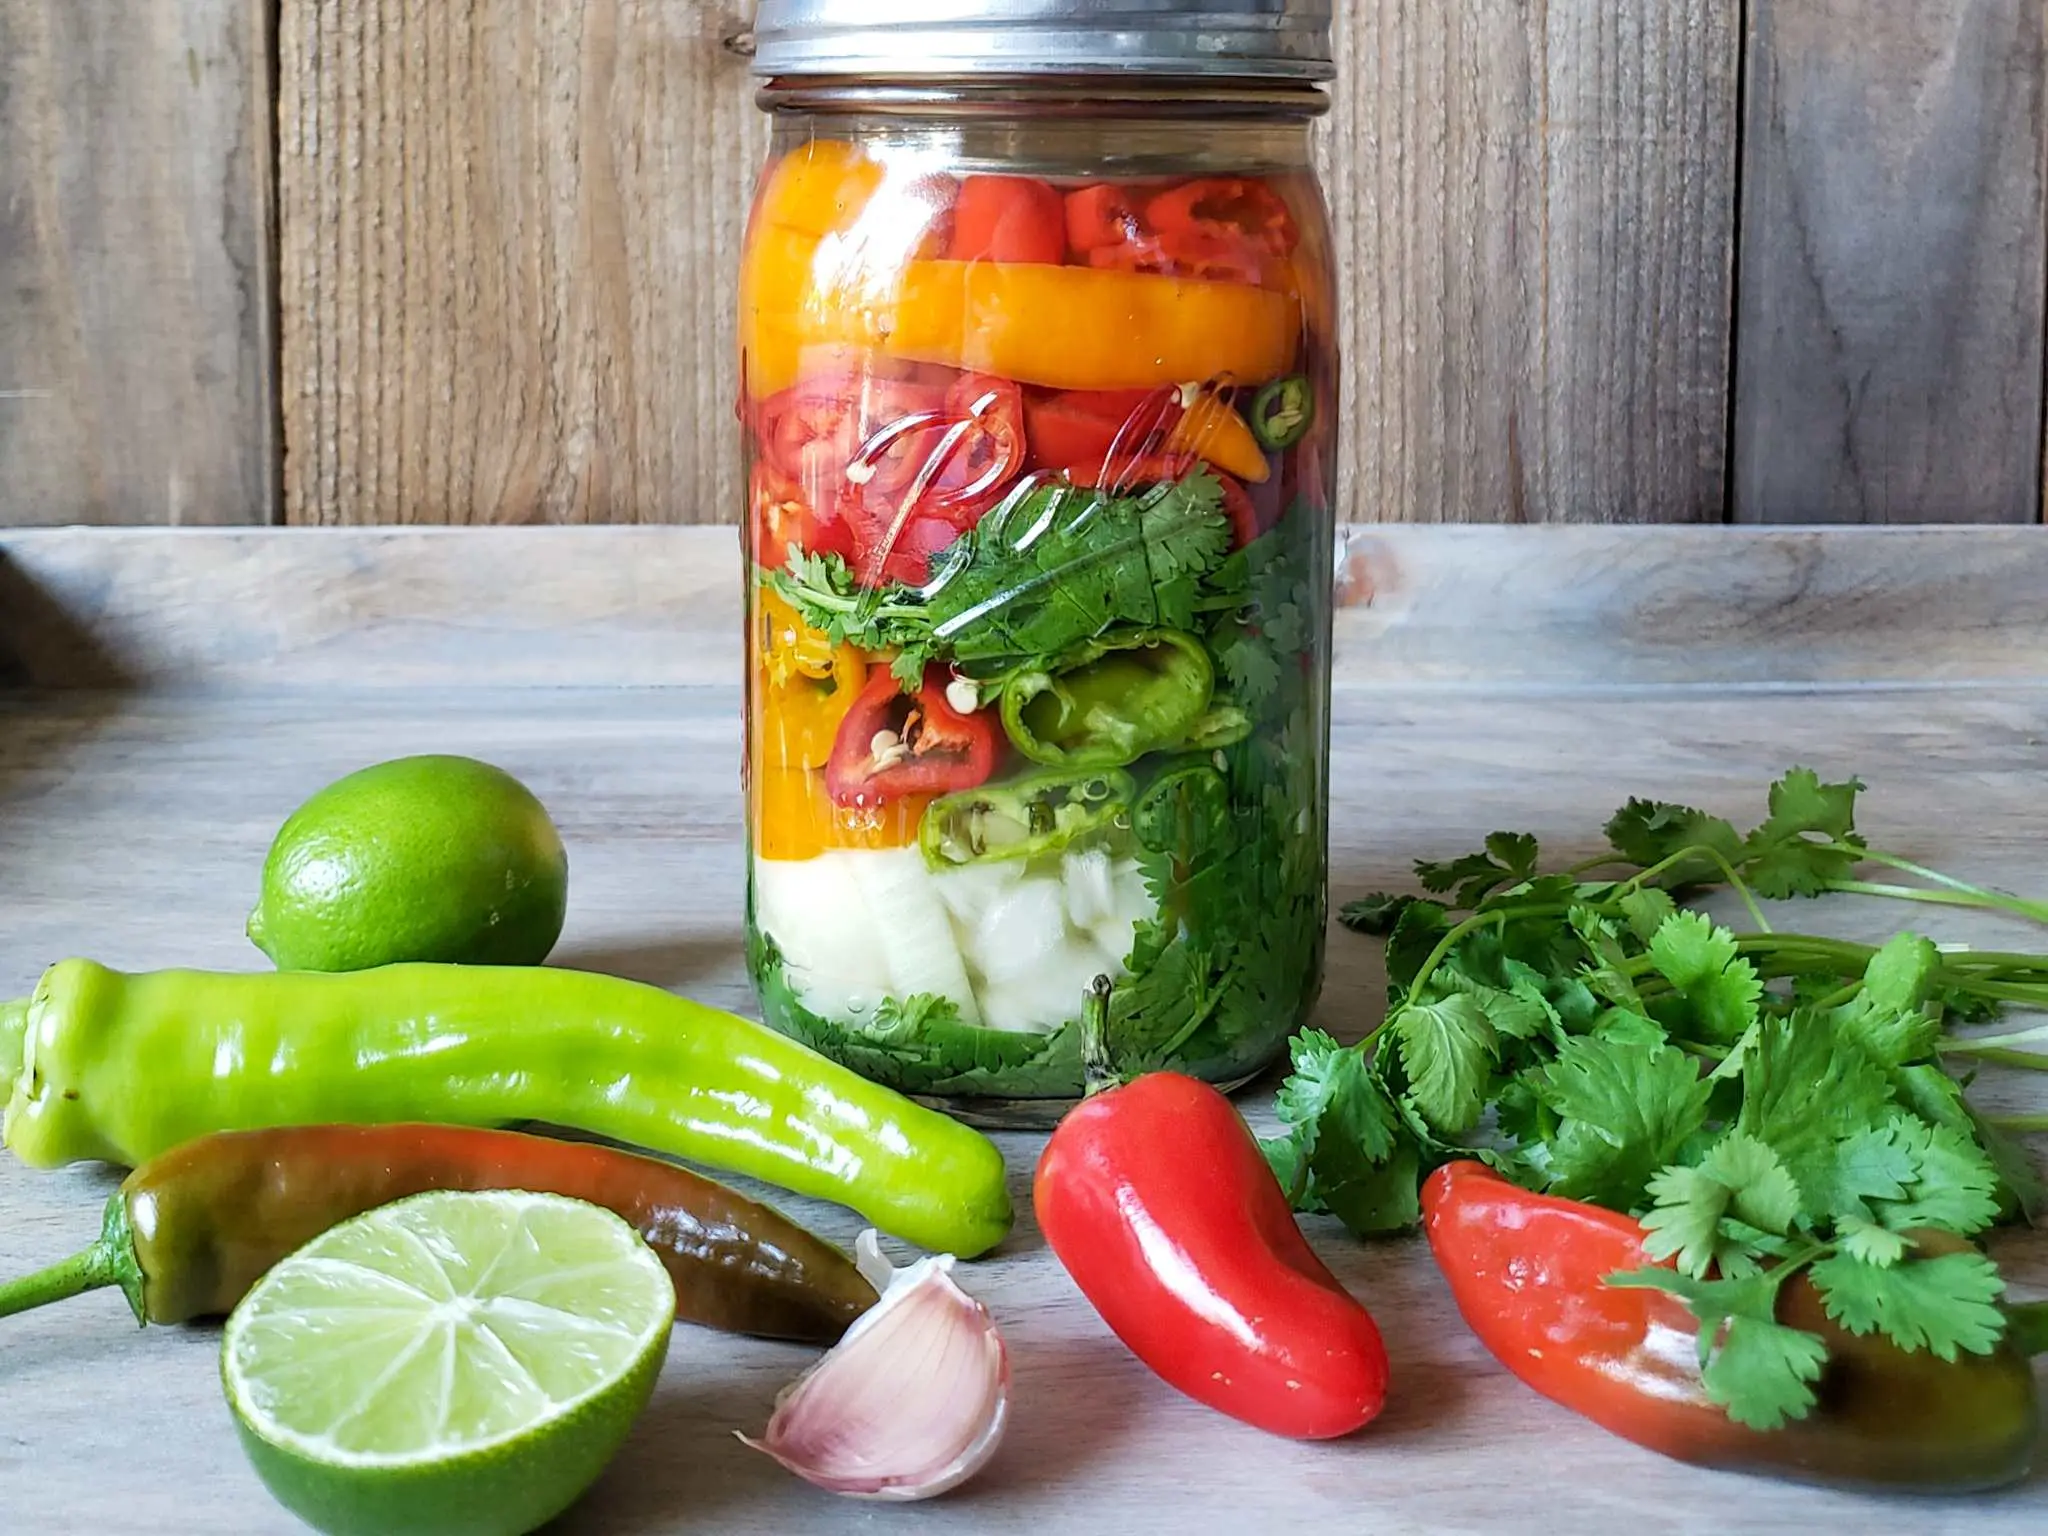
x: 1867, y: 1241
x: 1646, y: 908
x: 1955, y: 1186
x: 1718, y: 991
x: 1739, y: 1177
x: 1803, y: 1096
x: 1901, y: 976
x: 1808, y: 840
x: 1758, y: 1369
x: 1417, y: 931
x: 1375, y: 915
x: 1332, y: 1097
x: 1625, y: 1109
x: 1943, y: 1304
x: 1509, y: 859
x: 1447, y: 1049
x: 1647, y: 832
x: 1763, y: 1372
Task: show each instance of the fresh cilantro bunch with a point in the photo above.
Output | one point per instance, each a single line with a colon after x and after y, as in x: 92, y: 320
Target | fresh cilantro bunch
x: 1048, y: 570
x: 1776, y: 1108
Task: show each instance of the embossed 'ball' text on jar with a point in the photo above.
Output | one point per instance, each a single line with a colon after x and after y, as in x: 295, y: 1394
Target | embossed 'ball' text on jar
x: 1039, y: 393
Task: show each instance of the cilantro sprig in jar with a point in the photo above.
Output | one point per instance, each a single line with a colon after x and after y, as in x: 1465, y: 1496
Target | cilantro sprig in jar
x: 1039, y: 400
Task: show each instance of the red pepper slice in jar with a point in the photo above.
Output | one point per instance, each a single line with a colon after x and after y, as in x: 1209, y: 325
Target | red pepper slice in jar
x: 784, y: 520
x: 1193, y: 254
x: 892, y: 744
x: 1227, y: 209
x: 1159, y: 1203
x: 1008, y: 219
x: 818, y: 429
x: 1125, y: 477
x: 1088, y: 426
x: 1101, y: 216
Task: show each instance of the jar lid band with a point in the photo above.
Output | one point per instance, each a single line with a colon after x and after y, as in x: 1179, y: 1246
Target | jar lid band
x: 936, y: 39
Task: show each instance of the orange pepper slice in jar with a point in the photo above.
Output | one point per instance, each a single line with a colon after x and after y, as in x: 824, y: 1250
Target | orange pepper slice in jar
x: 807, y: 686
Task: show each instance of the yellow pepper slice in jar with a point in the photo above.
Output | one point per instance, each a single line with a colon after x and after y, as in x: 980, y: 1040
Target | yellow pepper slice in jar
x: 818, y: 188
x: 1089, y: 328
x: 1210, y: 430
x: 807, y: 686
x: 794, y: 817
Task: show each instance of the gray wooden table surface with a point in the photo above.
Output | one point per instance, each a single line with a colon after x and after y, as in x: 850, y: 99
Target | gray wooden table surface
x: 177, y: 695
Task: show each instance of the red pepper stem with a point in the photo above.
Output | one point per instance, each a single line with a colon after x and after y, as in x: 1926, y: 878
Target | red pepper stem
x: 110, y: 1261
x: 13, y: 1039
x: 2029, y: 1327
x: 1098, y: 1068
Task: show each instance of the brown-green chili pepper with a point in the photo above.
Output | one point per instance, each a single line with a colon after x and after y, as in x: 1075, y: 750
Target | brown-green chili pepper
x: 122, y: 1068
x: 189, y: 1233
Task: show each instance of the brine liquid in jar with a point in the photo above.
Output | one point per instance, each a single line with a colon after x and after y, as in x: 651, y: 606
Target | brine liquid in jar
x: 1039, y: 406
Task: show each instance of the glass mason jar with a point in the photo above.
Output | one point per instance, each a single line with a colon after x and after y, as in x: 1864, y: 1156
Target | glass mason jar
x: 1040, y: 406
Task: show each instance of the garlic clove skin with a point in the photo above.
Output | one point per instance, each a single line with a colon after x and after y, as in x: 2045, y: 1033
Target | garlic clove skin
x: 913, y: 1400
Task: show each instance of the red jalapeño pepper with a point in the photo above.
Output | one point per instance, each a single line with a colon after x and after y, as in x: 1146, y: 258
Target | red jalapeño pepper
x: 1160, y: 1205
x: 1528, y: 1273
x: 892, y: 744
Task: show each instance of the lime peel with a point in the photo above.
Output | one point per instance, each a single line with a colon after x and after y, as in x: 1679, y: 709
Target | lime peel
x: 479, y: 1403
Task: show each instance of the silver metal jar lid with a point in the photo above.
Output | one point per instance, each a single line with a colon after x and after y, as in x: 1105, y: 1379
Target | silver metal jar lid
x: 1202, y: 39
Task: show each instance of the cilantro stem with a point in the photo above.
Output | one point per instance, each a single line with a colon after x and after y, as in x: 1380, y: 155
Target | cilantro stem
x: 1453, y: 939
x: 1982, y: 901
x: 1700, y: 850
x: 2017, y: 1037
x: 2019, y: 1061
x: 2022, y: 1123
x: 2019, y: 905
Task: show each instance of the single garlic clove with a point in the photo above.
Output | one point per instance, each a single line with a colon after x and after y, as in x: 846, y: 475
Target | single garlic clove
x: 910, y: 1403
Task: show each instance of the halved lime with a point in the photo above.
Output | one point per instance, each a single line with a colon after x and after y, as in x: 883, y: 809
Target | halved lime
x: 460, y: 1364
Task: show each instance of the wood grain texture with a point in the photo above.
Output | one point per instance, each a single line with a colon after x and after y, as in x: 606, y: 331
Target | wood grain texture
x: 133, y: 828
x: 136, y: 279
x: 1894, y: 256
x: 1423, y: 608
x: 1535, y: 209
x: 509, y: 235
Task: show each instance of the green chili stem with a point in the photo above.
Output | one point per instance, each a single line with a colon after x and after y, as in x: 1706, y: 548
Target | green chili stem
x: 2029, y: 1327
x: 82, y: 1272
x: 1098, y: 1068
x: 13, y: 1039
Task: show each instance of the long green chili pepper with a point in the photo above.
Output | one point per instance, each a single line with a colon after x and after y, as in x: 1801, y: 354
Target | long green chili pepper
x: 187, y: 1234
x: 1023, y: 818
x: 122, y: 1068
x: 1111, y: 701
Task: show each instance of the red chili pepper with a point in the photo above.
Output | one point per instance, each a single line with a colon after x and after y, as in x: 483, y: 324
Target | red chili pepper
x: 1090, y: 426
x: 1227, y: 209
x: 784, y: 519
x: 1160, y: 1205
x: 818, y: 429
x: 1528, y: 1272
x: 930, y: 748
x: 1008, y: 219
x: 1100, y: 216
x: 1193, y: 253
x: 1124, y: 477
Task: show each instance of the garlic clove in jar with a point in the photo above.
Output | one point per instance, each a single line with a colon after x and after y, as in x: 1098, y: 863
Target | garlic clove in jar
x: 911, y: 1403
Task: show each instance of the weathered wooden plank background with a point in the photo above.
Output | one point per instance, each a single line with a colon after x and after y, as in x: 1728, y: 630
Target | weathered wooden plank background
x: 1605, y: 260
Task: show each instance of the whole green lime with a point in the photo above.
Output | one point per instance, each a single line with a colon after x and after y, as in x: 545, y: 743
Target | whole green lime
x: 426, y: 858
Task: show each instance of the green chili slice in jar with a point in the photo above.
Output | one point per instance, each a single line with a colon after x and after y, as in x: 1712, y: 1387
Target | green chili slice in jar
x: 1283, y: 412
x: 1112, y: 701
x: 1044, y: 813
